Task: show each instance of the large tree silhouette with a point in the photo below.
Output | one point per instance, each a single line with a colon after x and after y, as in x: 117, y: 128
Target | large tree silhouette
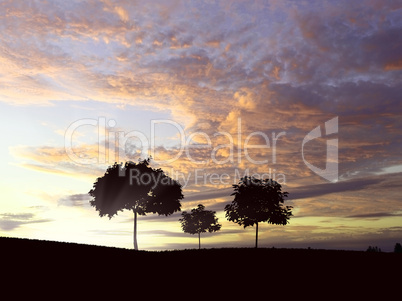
x: 136, y: 187
x: 257, y: 201
x: 199, y: 221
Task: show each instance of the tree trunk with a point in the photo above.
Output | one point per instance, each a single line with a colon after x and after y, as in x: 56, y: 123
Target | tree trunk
x: 135, y: 231
x: 256, y: 235
x: 199, y: 240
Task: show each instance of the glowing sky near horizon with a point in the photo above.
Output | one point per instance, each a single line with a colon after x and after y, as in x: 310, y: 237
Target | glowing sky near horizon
x: 208, y: 68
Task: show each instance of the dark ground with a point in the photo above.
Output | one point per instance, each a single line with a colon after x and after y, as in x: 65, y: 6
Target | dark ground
x: 228, y: 268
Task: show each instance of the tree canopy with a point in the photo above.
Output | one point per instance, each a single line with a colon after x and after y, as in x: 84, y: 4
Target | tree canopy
x: 136, y: 187
x: 199, y: 221
x: 258, y: 200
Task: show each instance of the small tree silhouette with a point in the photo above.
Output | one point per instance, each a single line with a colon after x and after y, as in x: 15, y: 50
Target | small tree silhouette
x: 258, y: 201
x: 398, y: 248
x: 199, y: 221
x: 136, y: 187
x: 373, y: 249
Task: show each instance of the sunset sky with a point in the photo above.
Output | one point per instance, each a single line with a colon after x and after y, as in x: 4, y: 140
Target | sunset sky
x: 218, y: 90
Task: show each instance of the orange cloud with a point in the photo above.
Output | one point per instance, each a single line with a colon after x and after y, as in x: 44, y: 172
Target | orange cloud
x: 393, y: 66
x: 122, y: 13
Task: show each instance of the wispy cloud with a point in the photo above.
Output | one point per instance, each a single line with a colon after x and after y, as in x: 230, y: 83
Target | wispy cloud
x: 375, y: 215
x: 80, y: 200
x: 11, y: 221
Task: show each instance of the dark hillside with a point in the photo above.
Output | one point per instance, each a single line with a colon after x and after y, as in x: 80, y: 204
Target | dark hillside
x: 78, y: 262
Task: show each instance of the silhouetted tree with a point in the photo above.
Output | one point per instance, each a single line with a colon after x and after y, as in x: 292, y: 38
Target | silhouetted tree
x: 373, y: 249
x: 199, y: 221
x: 257, y: 201
x: 398, y: 248
x: 136, y: 187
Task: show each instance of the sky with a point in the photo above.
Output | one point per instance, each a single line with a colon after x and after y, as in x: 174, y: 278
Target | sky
x: 305, y: 92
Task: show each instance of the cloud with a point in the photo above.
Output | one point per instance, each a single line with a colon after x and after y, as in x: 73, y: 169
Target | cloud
x: 11, y: 221
x: 279, y: 74
x: 209, y: 194
x: 318, y: 190
x: 375, y: 215
x: 354, y: 197
x: 55, y: 160
x: 122, y: 13
x: 81, y: 199
x: 358, y: 44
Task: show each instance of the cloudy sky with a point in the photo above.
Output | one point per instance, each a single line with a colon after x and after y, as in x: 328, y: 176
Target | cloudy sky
x: 213, y: 90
